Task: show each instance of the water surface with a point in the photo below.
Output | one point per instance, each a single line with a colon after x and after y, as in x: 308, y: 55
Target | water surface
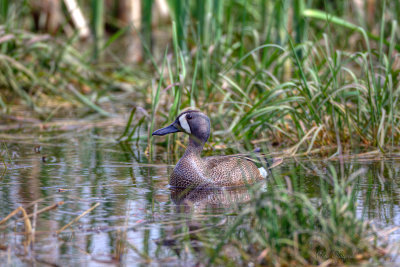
x: 139, y: 219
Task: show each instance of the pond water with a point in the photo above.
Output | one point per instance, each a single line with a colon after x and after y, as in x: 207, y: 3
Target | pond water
x: 138, y: 219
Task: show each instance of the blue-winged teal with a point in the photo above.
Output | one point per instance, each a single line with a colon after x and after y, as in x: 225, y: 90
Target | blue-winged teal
x: 193, y: 171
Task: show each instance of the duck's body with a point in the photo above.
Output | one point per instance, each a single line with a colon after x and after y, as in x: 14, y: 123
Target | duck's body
x: 193, y: 170
x: 218, y: 171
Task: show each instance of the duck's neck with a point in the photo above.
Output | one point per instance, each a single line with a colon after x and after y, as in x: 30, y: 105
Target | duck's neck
x: 195, y: 146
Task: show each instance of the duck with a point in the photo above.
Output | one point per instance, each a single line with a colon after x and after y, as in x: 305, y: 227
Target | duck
x: 194, y: 171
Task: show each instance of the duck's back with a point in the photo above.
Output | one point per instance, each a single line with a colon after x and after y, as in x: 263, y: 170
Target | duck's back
x: 231, y: 170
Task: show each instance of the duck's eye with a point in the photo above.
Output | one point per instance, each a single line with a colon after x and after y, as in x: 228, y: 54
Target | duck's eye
x: 188, y: 116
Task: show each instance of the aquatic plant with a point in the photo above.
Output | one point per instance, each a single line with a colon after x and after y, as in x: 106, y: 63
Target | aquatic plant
x: 305, y: 76
x: 46, y: 75
x: 292, y: 83
x: 283, y: 227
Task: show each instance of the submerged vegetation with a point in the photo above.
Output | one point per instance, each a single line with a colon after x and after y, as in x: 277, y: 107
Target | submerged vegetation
x: 297, y: 77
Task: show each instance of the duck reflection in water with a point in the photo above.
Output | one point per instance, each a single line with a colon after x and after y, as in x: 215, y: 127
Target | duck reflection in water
x: 208, y: 199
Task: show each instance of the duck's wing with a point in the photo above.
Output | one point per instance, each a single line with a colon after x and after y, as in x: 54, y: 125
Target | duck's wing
x: 257, y: 158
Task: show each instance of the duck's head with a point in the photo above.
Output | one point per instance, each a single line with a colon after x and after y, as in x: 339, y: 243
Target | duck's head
x: 192, y: 122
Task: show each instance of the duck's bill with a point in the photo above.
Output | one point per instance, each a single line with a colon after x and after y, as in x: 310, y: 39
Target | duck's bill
x: 166, y: 130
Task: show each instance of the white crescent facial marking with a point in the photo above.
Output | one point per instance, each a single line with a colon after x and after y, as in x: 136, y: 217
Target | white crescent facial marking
x: 184, y: 124
x: 263, y: 172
